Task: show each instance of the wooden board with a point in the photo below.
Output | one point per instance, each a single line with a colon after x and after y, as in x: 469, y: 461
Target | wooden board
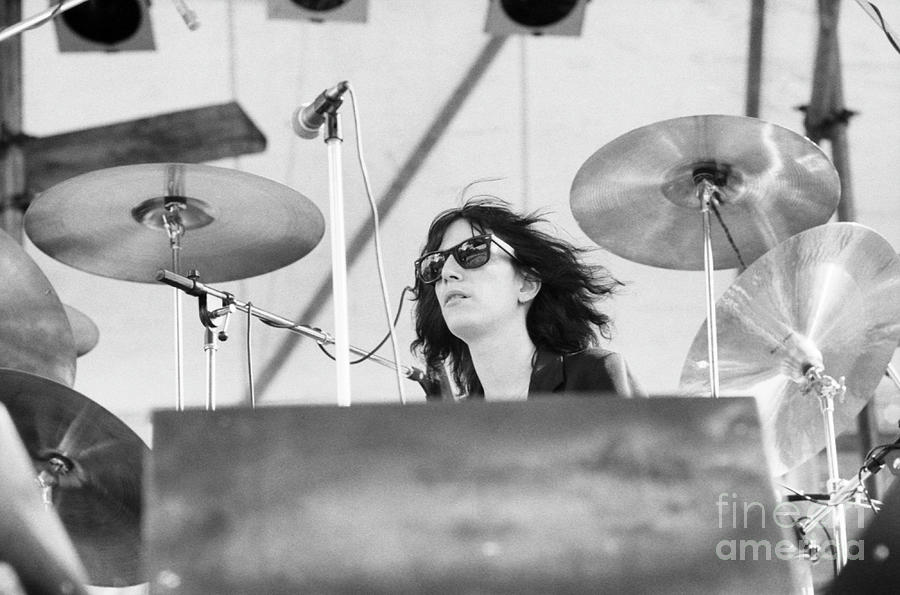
x: 188, y: 136
x: 554, y: 495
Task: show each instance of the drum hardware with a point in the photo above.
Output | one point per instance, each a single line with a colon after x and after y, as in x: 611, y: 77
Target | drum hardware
x: 227, y: 223
x: 706, y: 192
x: 172, y: 205
x: 844, y: 493
x: 198, y: 289
x: 828, y: 299
x: 88, y: 464
x: 827, y: 389
x: 212, y: 334
x: 764, y: 183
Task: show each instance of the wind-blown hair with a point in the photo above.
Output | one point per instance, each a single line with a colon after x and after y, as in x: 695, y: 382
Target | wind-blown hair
x: 563, y: 318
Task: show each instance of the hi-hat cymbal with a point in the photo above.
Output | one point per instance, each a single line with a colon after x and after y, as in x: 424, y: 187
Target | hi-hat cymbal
x: 85, y: 332
x: 34, y: 331
x: 637, y: 195
x: 236, y: 225
x: 93, y: 463
x: 828, y: 297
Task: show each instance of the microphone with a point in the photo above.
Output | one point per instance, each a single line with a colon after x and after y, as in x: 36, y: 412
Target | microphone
x: 187, y: 15
x: 309, y: 117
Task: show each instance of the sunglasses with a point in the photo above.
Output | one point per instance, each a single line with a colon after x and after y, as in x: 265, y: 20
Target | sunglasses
x: 471, y: 253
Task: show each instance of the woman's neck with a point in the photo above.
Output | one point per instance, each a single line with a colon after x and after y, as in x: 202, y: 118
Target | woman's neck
x: 503, y: 363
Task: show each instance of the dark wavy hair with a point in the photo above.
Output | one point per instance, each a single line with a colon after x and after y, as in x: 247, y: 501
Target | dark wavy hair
x: 563, y: 317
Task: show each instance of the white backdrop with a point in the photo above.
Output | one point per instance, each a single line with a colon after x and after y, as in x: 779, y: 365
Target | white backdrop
x: 544, y: 106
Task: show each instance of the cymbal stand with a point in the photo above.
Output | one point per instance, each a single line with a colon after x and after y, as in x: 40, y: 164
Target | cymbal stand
x: 211, y: 337
x: 48, y: 479
x: 706, y: 192
x: 845, y: 492
x: 195, y: 288
x: 172, y: 222
x: 827, y: 389
x: 333, y: 140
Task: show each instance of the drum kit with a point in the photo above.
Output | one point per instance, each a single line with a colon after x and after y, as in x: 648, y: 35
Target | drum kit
x: 810, y: 324
x: 125, y: 223
x: 808, y: 327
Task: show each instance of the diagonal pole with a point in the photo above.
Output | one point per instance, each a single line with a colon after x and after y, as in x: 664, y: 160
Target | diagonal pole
x: 392, y: 195
x: 12, y: 161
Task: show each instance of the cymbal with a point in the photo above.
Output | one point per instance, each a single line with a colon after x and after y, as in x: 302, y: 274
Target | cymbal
x: 637, y: 195
x: 828, y: 297
x: 34, y: 540
x: 93, y: 461
x: 85, y: 332
x: 34, y: 331
x: 236, y: 225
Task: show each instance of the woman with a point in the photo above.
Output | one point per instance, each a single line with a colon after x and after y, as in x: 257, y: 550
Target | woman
x: 511, y: 309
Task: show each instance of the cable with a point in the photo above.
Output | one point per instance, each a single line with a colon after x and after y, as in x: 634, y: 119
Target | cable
x: 865, y: 489
x: 372, y: 351
x: 379, y: 260
x: 879, y: 20
x: 249, y: 358
x: 805, y: 497
x: 727, y: 234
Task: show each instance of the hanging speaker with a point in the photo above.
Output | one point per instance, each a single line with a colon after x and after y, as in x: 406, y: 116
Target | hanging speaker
x: 535, y: 17
x: 105, y: 26
x: 319, y: 11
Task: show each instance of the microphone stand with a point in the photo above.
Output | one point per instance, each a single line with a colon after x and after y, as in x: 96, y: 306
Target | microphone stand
x: 197, y: 289
x: 338, y: 255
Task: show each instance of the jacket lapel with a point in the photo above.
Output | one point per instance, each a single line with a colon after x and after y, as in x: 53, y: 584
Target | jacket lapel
x: 548, y: 375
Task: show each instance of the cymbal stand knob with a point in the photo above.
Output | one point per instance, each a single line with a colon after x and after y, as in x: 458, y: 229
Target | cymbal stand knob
x: 225, y: 312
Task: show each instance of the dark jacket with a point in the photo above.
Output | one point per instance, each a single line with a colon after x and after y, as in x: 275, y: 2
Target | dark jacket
x: 592, y: 370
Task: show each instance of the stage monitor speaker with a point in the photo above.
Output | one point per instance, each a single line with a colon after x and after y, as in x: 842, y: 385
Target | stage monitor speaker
x: 319, y: 11
x: 663, y: 495
x: 106, y: 26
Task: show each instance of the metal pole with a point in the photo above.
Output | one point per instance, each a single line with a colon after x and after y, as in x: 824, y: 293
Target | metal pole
x: 755, y: 57
x: 37, y: 19
x: 706, y: 191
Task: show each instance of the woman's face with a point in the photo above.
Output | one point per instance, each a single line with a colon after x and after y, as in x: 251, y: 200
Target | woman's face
x: 477, y: 302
